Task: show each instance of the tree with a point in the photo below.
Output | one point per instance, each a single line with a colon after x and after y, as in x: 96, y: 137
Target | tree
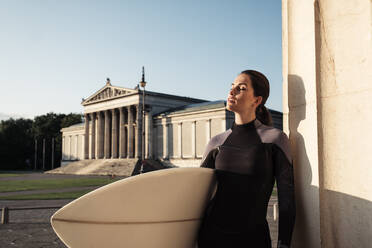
x: 71, y: 119
x: 16, y: 144
x: 17, y: 140
x: 49, y: 126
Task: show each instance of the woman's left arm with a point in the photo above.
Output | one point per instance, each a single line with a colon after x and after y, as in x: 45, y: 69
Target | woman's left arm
x: 283, y: 170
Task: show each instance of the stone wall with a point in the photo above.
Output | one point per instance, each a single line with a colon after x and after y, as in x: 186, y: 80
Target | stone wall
x: 73, y: 143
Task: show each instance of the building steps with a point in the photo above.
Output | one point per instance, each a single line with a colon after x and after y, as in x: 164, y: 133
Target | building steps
x: 118, y: 167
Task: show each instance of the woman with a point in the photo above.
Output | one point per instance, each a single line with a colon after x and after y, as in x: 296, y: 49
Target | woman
x: 248, y: 158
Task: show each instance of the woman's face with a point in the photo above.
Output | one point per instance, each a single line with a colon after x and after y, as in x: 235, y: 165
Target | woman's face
x: 241, y: 97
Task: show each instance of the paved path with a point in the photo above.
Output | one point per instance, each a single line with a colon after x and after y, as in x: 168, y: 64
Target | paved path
x: 30, y: 228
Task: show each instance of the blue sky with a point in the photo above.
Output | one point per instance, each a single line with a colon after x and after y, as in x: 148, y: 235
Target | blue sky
x: 54, y: 53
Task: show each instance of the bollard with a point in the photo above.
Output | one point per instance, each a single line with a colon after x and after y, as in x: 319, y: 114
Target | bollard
x: 5, y: 215
x: 275, y: 211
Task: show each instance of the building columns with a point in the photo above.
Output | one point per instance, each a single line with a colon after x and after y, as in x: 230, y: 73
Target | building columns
x: 100, y: 140
x: 93, y: 137
x: 138, y: 134
x: 107, y: 135
x: 122, y: 138
x: 193, y: 139
x: 63, y: 148
x: 155, y: 143
x: 76, y: 153
x: 208, y: 130
x: 86, y: 137
x: 114, y: 135
x: 111, y: 139
x: 223, y: 125
x: 165, y: 141
x: 130, y: 133
x: 180, y: 140
x: 70, y: 147
x: 146, y: 151
x: 148, y: 135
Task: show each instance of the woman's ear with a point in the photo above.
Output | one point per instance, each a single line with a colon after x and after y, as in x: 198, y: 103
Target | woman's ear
x: 258, y: 100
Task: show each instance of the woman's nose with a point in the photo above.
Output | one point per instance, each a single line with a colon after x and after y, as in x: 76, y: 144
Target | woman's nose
x: 232, y: 92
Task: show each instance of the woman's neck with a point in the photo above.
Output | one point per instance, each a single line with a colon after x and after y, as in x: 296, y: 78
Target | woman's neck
x: 242, y: 119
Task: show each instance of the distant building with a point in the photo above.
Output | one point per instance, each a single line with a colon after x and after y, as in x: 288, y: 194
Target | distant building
x: 176, y: 128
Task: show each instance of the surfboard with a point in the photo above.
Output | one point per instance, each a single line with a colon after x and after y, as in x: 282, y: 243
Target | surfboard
x: 157, y: 209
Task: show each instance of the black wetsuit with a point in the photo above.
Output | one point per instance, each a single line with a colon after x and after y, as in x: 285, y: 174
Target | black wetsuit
x: 248, y: 159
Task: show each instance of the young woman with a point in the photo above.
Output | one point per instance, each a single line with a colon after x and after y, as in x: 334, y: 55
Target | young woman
x: 248, y: 158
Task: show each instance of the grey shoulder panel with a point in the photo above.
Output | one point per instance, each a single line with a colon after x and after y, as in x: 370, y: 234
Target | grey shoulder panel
x: 215, y: 141
x: 276, y: 136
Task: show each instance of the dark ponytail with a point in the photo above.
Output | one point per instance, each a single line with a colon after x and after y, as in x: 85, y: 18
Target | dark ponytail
x: 263, y: 115
x: 261, y: 87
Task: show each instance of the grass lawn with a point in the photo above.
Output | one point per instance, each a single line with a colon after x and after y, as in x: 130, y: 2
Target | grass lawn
x: 9, y: 186
x: 47, y: 196
x: 9, y: 175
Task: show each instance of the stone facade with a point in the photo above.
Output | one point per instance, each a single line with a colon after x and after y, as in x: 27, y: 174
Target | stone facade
x: 177, y: 129
x: 182, y: 134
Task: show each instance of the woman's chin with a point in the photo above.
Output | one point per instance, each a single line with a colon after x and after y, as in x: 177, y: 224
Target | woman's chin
x: 230, y: 107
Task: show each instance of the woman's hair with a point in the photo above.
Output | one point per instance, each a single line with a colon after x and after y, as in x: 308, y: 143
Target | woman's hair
x: 261, y: 87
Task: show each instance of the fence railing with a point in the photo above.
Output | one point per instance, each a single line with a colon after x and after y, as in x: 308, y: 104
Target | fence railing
x: 5, y: 211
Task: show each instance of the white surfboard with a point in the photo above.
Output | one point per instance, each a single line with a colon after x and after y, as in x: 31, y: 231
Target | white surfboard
x: 156, y: 209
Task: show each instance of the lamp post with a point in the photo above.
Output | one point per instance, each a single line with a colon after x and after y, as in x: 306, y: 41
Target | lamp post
x: 143, y: 85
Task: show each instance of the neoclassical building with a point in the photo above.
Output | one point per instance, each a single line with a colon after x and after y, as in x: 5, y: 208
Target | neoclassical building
x: 177, y: 128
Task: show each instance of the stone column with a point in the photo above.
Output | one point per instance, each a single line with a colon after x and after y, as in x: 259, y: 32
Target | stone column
x: 70, y: 148
x: 165, y: 141
x: 193, y: 139
x: 93, y: 137
x: 86, y: 137
x: 155, y: 145
x: 148, y: 134
x: 208, y: 130
x: 130, y: 132
x: 300, y: 116
x: 223, y: 125
x: 180, y: 140
x: 107, y: 135
x: 114, y: 136
x: 327, y: 61
x: 343, y: 37
x: 100, y: 139
x: 76, y: 152
x: 138, y: 135
x: 63, y: 147
x: 122, y: 138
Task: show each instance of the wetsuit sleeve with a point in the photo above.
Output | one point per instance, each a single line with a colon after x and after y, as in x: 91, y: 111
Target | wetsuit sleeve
x: 212, y: 149
x: 210, y: 158
x: 283, y: 169
x: 210, y: 154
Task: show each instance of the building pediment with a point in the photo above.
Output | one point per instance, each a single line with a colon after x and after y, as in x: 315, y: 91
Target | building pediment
x: 107, y: 93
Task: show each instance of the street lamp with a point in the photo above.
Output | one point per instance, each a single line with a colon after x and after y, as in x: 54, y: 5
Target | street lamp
x: 143, y: 85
